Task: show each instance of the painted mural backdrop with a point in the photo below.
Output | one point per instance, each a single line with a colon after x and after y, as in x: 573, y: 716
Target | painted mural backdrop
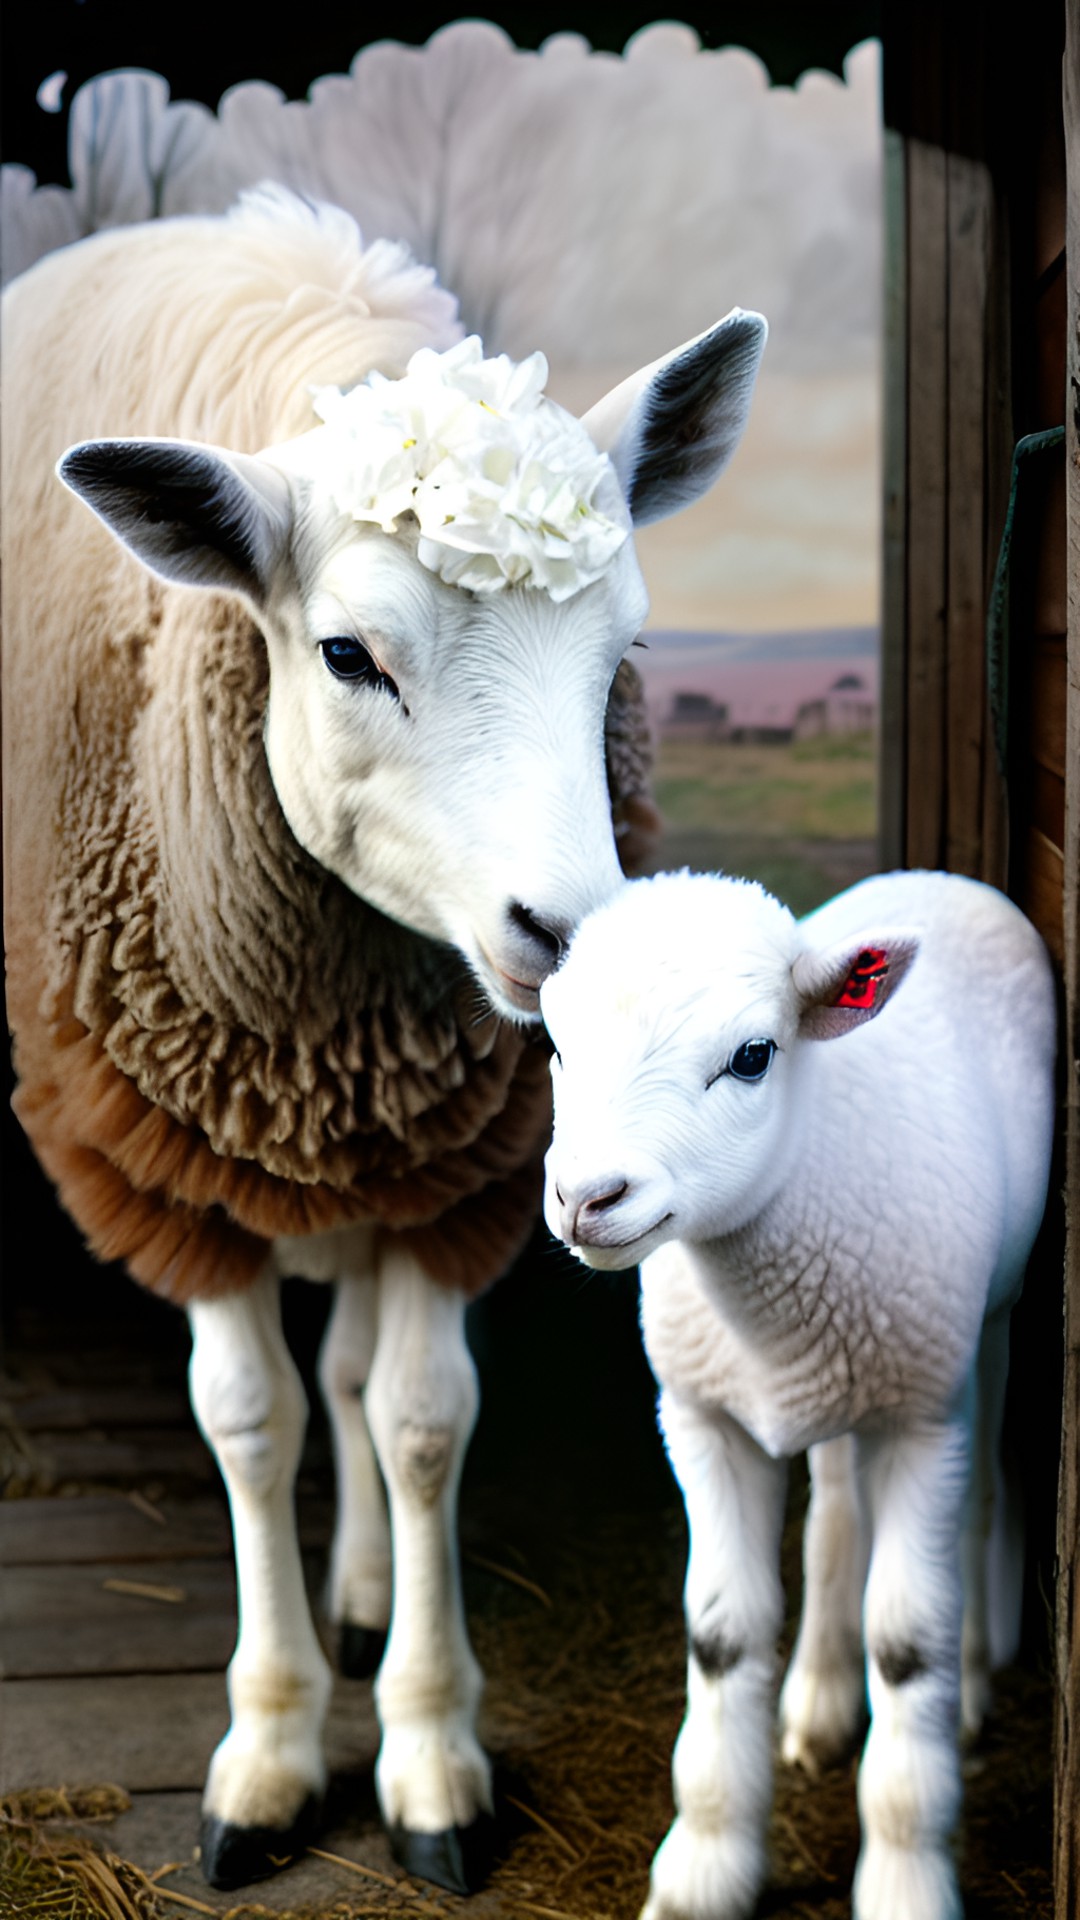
x: 604, y: 208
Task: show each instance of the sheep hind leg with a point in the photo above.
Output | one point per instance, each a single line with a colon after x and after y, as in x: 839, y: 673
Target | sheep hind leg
x: 993, y: 1546
x: 360, y: 1562
x: 432, y: 1776
x: 266, y: 1780
x: 823, y: 1701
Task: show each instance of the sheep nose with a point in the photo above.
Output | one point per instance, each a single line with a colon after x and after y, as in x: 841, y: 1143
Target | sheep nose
x: 584, y: 1208
x: 546, y: 936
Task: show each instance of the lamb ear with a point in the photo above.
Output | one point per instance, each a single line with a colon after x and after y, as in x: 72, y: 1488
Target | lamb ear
x: 193, y: 514
x: 671, y: 428
x: 845, y: 985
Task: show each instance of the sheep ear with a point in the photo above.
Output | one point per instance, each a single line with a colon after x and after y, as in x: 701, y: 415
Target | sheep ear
x: 845, y: 985
x: 671, y: 428
x: 193, y: 514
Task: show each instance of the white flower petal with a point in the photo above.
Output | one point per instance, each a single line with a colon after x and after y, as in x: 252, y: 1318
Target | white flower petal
x: 499, y: 479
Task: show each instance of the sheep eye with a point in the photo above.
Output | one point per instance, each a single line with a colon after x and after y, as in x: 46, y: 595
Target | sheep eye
x: 348, y: 660
x: 752, y: 1060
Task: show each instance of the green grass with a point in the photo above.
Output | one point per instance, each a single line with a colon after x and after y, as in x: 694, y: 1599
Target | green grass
x: 812, y: 789
x: 800, y: 818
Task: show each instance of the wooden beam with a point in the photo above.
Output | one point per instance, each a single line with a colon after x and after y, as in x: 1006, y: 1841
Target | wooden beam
x: 948, y: 441
x: 1067, y: 1716
x: 969, y: 229
x: 892, y: 757
x: 927, y: 500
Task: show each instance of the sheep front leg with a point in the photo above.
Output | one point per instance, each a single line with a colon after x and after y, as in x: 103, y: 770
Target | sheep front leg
x: 360, y: 1562
x: 909, y: 1780
x: 433, y: 1778
x: 823, y: 1701
x: 267, y: 1777
x: 712, y: 1863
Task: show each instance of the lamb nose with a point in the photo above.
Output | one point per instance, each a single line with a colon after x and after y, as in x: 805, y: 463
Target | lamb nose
x: 589, y: 1206
x: 600, y: 1202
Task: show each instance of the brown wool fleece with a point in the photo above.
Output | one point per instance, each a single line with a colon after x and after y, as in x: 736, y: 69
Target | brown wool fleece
x: 216, y: 1042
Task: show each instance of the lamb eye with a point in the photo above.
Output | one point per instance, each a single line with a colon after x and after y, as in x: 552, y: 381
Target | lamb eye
x: 348, y: 660
x: 752, y: 1060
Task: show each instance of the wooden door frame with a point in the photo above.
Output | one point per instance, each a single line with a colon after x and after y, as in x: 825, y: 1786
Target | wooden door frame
x: 954, y: 114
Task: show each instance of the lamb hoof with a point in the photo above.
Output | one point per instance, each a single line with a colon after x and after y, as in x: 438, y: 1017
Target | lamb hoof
x: 360, y: 1651
x: 458, y: 1858
x: 232, y: 1856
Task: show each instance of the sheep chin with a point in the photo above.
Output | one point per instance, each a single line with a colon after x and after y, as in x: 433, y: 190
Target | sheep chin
x: 517, y: 1001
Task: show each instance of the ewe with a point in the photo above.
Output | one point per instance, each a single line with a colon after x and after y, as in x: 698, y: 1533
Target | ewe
x: 304, y: 809
x: 832, y: 1238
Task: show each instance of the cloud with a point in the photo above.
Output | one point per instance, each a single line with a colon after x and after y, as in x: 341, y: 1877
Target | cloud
x: 601, y: 206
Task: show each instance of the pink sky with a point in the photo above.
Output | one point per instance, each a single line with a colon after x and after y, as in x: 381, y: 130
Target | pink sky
x: 763, y: 691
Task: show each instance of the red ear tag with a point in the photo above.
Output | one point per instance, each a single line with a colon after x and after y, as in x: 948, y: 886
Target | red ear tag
x: 860, y: 987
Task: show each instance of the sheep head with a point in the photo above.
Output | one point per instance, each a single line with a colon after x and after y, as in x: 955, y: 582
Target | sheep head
x: 681, y: 1018
x: 438, y: 679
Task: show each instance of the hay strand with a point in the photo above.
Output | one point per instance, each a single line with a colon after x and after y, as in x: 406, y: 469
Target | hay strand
x: 142, y: 1505
x: 145, y: 1590
x: 354, y: 1866
x: 508, y: 1573
x: 560, y: 1838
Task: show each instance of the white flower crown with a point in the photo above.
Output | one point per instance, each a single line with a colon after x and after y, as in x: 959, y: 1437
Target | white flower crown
x: 499, y: 478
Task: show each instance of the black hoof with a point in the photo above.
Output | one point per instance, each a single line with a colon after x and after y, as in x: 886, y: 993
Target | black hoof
x: 458, y: 1858
x: 232, y: 1856
x: 360, y: 1651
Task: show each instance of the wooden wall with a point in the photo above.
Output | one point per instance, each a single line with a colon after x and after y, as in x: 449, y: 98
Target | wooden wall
x: 1067, y: 1780
x: 975, y: 360
x: 1037, y: 770
x: 948, y: 444
x: 979, y: 285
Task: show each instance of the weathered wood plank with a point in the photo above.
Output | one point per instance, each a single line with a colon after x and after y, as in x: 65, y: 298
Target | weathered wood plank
x: 69, y: 1409
x: 111, y: 1527
x: 1038, y: 889
x: 892, y: 757
x: 1046, y: 799
x: 1050, y: 613
x: 145, y: 1730
x: 155, y: 1732
x: 969, y: 218
x: 50, y: 1368
x: 999, y: 437
x: 1067, y: 1610
x: 927, y: 499
x: 66, y: 1620
x: 146, y: 1453
x: 1049, y: 697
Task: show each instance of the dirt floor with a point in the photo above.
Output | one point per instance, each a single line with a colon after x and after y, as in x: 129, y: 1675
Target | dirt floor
x: 573, y: 1557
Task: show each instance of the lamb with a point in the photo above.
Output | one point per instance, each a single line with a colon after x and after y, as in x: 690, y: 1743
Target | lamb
x: 832, y: 1238
x: 309, y: 789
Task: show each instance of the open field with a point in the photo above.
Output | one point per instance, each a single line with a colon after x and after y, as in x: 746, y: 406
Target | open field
x: 801, y: 818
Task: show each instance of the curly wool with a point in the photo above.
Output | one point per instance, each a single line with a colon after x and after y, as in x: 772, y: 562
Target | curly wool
x: 217, y: 1043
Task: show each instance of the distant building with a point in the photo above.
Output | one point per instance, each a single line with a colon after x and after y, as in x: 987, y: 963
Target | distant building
x: 762, y: 727
x: 696, y: 716
x: 771, y: 711
x: 846, y: 707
